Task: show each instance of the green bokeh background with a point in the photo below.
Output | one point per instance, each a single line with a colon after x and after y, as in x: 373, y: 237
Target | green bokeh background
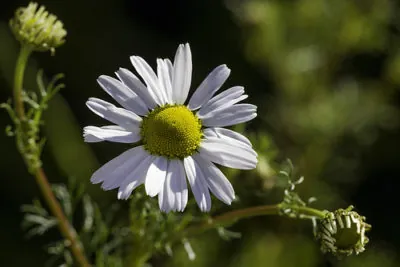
x: 325, y: 76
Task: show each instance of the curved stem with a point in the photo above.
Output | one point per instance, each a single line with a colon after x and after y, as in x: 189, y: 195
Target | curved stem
x: 64, y: 225
x: 232, y: 216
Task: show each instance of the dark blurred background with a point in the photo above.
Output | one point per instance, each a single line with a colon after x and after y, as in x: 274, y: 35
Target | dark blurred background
x: 324, y: 74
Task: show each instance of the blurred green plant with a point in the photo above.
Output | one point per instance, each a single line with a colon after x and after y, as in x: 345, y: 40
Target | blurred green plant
x: 103, y: 237
x: 333, y: 67
x: 308, y: 48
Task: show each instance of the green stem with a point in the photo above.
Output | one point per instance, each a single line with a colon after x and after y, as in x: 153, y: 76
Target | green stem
x: 233, y: 216
x: 64, y: 225
x: 19, y: 79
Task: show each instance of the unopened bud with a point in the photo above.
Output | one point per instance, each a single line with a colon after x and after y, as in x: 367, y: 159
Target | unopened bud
x: 34, y: 26
x: 342, y: 232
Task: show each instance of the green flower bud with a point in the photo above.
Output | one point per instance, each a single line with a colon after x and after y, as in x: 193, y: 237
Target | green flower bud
x: 37, y: 28
x: 342, y: 232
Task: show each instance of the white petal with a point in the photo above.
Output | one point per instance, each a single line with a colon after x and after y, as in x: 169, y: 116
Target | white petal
x: 123, y: 95
x: 217, y: 182
x: 198, y: 184
x: 114, y: 171
x: 133, y: 82
x: 230, y: 135
x: 124, y: 118
x: 230, y: 116
x: 135, y: 178
x: 225, y: 153
x: 214, y: 109
x: 209, y: 86
x: 126, y: 173
x: 170, y: 68
x: 174, y: 195
x: 94, y: 134
x: 182, y: 74
x: 220, y: 102
x: 156, y: 176
x: 149, y: 77
x: 164, y: 79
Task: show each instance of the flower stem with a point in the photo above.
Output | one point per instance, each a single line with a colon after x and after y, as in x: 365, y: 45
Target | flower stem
x: 233, y: 216
x: 64, y: 225
x: 19, y: 79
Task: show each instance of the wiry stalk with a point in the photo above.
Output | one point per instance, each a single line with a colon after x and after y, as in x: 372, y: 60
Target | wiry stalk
x: 64, y: 225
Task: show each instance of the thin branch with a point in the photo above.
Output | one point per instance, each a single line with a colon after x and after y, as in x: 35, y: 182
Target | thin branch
x: 64, y: 225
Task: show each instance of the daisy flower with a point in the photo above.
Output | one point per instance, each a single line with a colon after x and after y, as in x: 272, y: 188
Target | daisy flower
x: 177, y: 141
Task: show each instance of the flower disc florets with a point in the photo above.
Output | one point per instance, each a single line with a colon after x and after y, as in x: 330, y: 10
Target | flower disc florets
x: 172, y: 131
x: 342, y: 232
x: 36, y: 27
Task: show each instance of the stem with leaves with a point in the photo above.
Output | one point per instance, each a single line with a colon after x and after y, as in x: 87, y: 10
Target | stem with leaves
x: 231, y: 217
x: 23, y: 139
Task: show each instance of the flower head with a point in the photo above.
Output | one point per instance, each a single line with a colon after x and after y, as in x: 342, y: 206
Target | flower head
x: 342, y: 232
x: 36, y: 27
x: 179, y: 140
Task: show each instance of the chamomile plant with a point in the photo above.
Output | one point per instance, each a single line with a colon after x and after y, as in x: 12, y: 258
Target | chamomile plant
x: 175, y: 139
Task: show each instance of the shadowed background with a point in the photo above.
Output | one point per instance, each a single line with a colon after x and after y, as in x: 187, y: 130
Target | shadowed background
x: 325, y: 76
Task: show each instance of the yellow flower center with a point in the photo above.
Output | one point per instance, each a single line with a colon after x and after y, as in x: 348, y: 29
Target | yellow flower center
x: 171, y: 131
